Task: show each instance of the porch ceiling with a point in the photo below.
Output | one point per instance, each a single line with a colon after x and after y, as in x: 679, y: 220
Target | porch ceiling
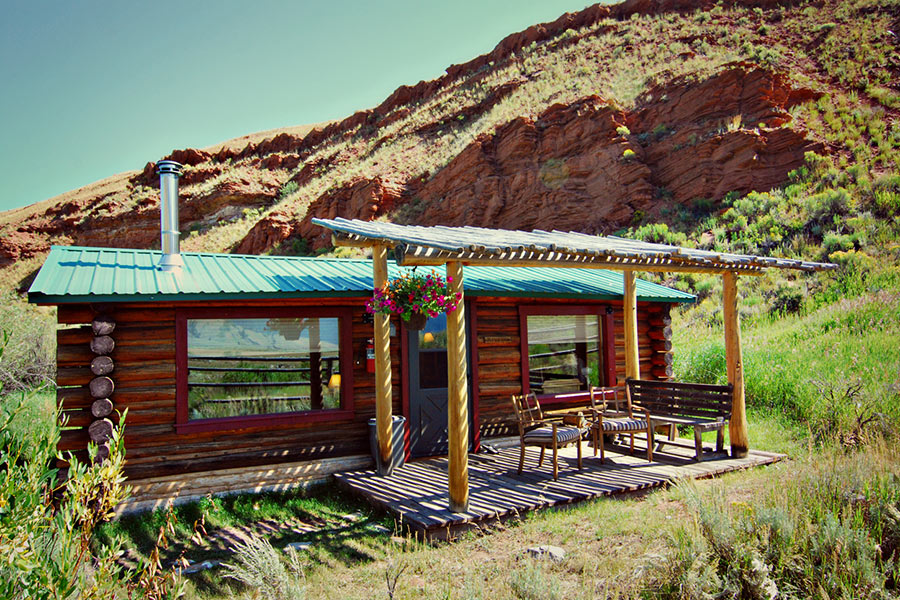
x: 419, y: 245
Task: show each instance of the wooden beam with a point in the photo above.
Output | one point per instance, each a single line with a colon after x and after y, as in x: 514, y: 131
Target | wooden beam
x: 458, y: 396
x: 737, y: 426
x: 382, y: 365
x: 412, y: 261
x: 340, y: 241
x: 632, y: 360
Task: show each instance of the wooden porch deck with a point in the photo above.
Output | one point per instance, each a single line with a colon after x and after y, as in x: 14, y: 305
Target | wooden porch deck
x: 416, y: 493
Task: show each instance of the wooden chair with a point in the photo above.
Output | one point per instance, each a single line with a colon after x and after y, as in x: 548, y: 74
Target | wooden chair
x: 537, y: 430
x: 617, y: 417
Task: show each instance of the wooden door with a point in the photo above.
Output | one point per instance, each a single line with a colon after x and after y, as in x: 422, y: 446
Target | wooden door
x: 428, y: 389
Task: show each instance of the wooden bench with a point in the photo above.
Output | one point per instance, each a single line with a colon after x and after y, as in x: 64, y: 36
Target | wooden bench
x: 702, y: 406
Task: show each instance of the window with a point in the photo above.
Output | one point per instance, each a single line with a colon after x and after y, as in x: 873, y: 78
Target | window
x: 433, y: 353
x: 565, y: 349
x: 243, y: 369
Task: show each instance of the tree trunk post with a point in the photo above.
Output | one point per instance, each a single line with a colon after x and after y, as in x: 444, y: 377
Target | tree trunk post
x: 737, y: 425
x: 382, y: 365
x: 458, y: 395
x: 632, y: 360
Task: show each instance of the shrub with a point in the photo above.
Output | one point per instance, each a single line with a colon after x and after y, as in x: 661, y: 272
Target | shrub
x: 628, y: 154
x: 853, y: 261
x: 289, y: 188
x: 835, y: 242
x: 659, y: 233
x: 260, y: 567
x: 532, y: 581
x: 622, y: 130
x: 46, y: 527
x: 28, y: 360
x: 824, y: 206
x: 786, y: 299
x: 823, y: 532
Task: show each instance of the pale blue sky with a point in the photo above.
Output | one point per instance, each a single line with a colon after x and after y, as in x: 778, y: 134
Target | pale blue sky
x: 92, y: 88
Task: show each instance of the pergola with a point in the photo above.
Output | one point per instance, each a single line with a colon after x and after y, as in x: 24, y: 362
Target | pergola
x: 458, y: 246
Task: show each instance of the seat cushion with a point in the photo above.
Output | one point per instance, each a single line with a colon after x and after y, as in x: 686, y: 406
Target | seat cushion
x: 626, y: 424
x: 544, y: 435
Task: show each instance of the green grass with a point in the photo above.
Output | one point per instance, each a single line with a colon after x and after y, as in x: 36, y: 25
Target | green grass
x: 792, y: 365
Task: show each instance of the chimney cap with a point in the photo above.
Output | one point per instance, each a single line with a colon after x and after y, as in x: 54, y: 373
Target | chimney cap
x: 169, y: 166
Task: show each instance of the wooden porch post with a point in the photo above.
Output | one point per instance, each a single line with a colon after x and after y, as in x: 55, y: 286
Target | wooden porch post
x: 737, y: 426
x: 458, y: 396
x: 632, y: 360
x: 382, y: 364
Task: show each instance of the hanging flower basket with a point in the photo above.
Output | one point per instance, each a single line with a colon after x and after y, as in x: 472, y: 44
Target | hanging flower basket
x: 414, y: 298
x: 417, y: 321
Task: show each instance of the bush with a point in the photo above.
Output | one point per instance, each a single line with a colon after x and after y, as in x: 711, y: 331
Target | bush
x: 824, y: 532
x: 260, y: 567
x: 786, y: 299
x: 29, y: 357
x: 288, y: 189
x: 659, y: 233
x: 46, y: 527
x: 853, y: 261
x: 824, y: 206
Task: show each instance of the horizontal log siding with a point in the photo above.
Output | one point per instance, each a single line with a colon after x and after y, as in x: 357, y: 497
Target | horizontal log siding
x: 499, y: 371
x: 144, y: 379
x: 145, y: 384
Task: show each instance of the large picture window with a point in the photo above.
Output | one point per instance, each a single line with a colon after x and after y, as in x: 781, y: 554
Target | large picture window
x: 565, y: 350
x: 236, y: 368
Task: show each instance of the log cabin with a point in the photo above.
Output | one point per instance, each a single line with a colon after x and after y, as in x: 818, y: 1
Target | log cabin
x: 256, y: 372
x: 251, y: 373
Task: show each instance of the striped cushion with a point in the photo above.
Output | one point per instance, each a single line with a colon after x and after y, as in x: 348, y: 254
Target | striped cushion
x: 615, y: 425
x: 544, y: 435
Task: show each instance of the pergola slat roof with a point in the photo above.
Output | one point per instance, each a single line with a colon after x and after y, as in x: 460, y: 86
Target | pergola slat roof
x: 456, y: 246
x: 420, y: 245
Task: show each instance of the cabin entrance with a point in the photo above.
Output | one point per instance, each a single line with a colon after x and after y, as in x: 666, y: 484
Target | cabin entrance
x: 428, y: 389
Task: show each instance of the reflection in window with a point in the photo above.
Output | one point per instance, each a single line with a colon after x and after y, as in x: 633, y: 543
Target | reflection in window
x: 240, y: 367
x: 433, y: 353
x: 563, y: 353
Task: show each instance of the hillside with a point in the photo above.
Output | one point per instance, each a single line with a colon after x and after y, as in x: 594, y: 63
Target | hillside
x: 682, y: 123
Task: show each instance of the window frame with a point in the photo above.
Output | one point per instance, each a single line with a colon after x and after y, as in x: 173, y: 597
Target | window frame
x: 604, y: 314
x: 183, y: 424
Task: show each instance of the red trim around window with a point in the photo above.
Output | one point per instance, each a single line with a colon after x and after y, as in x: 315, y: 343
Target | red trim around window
x: 184, y: 425
x: 606, y: 334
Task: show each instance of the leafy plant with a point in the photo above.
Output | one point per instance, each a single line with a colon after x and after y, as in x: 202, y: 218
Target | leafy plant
x: 260, y: 567
x: 414, y: 294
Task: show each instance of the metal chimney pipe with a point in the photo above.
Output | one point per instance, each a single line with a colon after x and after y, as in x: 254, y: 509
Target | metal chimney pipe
x: 169, y: 171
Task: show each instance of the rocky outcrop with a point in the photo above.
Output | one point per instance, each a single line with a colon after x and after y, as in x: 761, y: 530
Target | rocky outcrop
x: 568, y: 169
x: 19, y: 245
x: 576, y: 168
x: 365, y: 199
x: 360, y: 199
x: 728, y: 133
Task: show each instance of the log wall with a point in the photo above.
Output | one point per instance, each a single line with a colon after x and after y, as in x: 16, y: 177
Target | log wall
x: 144, y: 375
x: 144, y: 378
x: 499, y: 354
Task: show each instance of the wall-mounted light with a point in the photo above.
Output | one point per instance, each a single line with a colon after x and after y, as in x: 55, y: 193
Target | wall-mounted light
x: 335, y: 381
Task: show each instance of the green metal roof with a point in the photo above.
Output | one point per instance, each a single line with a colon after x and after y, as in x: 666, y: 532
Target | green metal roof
x: 80, y: 274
